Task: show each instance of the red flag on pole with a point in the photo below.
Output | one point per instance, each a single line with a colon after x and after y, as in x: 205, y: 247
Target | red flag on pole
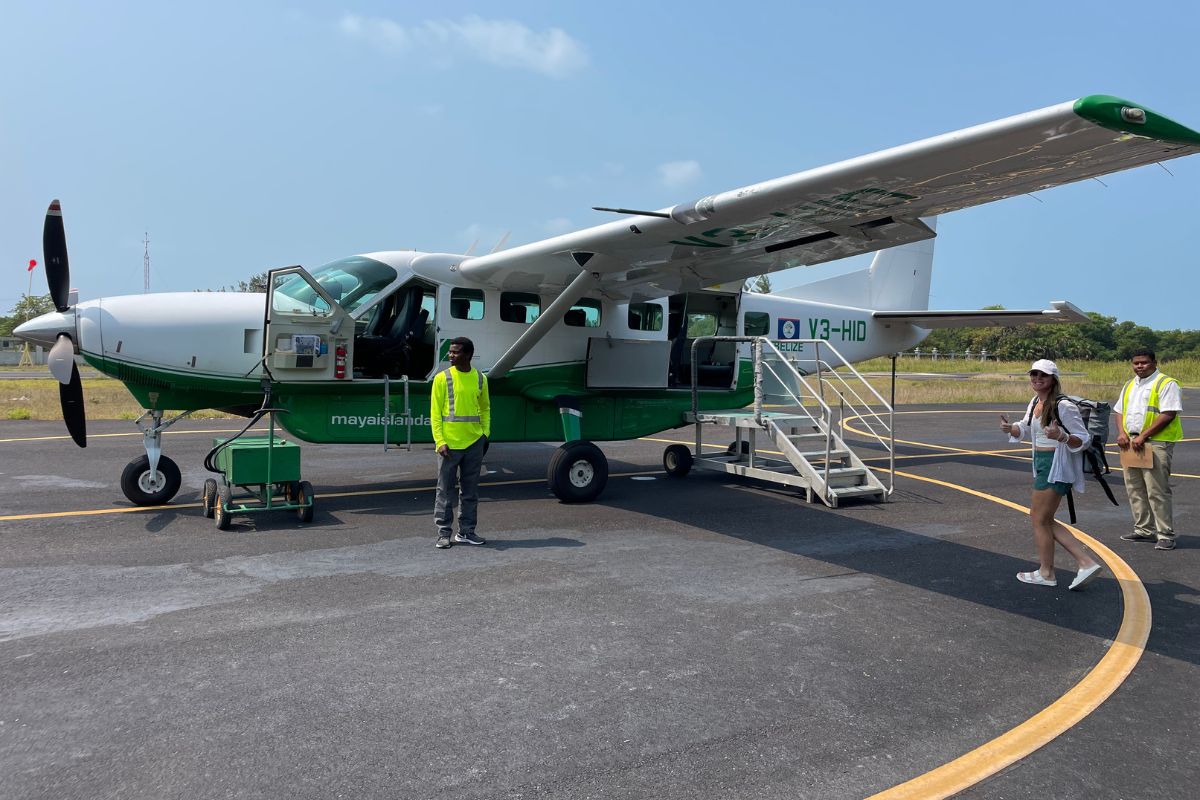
x: 32, y: 264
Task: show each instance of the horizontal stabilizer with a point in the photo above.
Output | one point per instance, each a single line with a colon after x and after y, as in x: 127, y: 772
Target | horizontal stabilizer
x: 1061, y: 312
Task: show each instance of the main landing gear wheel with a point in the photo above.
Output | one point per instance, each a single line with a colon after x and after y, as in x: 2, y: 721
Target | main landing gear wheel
x: 677, y: 460
x: 208, y: 498
x: 144, y: 489
x: 578, y: 472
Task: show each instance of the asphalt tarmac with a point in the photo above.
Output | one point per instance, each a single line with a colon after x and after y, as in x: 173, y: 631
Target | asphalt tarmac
x: 679, y: 638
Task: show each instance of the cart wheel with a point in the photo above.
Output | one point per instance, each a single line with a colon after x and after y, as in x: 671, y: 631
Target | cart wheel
x: 677, y: 460
x: 734, y: 449
x: 221, y: 510
x: 291, y: 490
x: 305, y: 496
x: 208, y: 497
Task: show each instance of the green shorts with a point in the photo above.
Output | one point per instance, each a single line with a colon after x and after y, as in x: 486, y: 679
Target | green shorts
x: 1042, y: 459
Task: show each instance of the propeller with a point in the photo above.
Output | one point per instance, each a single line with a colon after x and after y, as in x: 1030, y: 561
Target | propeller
x: 62, y: 355
x: 54, y: 249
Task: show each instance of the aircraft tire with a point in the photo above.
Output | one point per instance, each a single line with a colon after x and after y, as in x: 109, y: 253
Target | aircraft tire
x: 208, y: 497
x: 677, y: 460
x: 304, y: 494
x: 578, y: 472
x: 221, y: 513
x: 135, y: 481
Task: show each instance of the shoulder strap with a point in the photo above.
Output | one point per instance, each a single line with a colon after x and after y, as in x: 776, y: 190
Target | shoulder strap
x: 1058, y: 418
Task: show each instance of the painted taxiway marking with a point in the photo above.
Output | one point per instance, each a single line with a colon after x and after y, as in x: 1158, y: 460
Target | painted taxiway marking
x: 1068, y: 710
x: 1064, y: 713
x: 320, y: 495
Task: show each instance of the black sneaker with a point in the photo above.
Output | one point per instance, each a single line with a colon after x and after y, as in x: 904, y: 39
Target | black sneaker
x: 468, y: 538
x: 1164, y: 544
x: 443, y: 542
x: 1137, y: 537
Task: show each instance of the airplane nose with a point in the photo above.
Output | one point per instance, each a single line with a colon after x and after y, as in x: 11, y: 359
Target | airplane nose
x: 45, y: 329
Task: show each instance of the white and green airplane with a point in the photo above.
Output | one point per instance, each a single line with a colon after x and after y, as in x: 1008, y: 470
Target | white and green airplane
x: 585, y: 336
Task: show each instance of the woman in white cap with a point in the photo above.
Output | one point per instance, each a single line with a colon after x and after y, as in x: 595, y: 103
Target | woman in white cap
x: 1059, y: 437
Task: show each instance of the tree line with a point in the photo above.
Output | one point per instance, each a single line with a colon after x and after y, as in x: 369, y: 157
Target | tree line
x: 1100, y: 339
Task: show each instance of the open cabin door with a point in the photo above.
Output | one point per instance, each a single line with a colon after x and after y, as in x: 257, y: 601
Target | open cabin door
x: 696, y: 314
x: 309, y: 337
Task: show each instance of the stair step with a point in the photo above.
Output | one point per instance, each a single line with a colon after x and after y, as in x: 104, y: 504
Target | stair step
x: 835, y: 454
x: 856, y: 491
x: 845, y: 472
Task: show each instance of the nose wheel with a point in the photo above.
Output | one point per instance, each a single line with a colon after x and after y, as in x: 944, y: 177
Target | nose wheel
x: 146, y: 488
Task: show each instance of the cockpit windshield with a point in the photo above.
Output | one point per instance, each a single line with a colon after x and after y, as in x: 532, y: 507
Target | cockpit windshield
x: 350, y: 281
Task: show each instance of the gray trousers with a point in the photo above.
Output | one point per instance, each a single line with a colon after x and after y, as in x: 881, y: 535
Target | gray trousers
x: 1149, y: 492
x: 459, y: 468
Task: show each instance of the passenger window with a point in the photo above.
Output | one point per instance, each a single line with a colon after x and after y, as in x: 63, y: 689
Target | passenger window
x: 466, y: 303
x: 584, y: 314
x: 756, y: 323
x: 520, y: 307
x: 645, y: 317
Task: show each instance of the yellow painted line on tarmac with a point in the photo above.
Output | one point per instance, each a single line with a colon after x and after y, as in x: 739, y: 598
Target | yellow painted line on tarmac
x: 320, y: 495
x: 117, y: 435
x: 1065, y: 712
x: 1068, y: 710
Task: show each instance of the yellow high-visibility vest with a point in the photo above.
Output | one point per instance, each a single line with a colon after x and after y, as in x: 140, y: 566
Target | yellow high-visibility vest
x: 1174, y: 430
x: 460, y: 410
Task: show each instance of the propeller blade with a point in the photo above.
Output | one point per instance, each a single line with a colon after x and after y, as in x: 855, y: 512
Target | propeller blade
x: 54, y: 250
x: 62, y: 358
x: 70, y: 396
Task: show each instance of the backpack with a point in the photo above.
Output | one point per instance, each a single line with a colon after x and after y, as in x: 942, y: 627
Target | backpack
x: 1095, y: 415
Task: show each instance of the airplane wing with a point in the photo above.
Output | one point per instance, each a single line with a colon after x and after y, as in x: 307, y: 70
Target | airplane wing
x: 851, y: 207
x: 1061, y: 312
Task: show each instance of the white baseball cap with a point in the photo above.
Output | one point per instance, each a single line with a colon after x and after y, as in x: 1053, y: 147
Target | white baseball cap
x: 1044, y: 365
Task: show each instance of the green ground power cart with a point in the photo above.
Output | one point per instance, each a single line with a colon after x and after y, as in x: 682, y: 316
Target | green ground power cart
x: 267, y: 471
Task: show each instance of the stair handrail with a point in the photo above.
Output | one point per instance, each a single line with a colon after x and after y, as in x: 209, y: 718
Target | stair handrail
x: 824, y: 422
x: 867, y: 413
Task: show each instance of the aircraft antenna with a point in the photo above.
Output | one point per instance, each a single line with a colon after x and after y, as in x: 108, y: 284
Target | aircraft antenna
x: 500, y: 243
x: 146, y: 263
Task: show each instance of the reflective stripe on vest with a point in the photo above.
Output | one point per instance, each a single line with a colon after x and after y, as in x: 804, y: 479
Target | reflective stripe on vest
x: 451, y: 417
x: 1173, y: 432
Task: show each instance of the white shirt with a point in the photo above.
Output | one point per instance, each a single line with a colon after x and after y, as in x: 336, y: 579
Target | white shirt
x: 1169, y: 399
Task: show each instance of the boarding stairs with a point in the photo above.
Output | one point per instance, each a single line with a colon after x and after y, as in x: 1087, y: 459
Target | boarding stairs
x: 794, y: 417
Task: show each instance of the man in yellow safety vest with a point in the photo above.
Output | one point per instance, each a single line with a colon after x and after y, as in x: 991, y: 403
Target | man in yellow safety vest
x: 1148, y: 413
x: 460, y: 413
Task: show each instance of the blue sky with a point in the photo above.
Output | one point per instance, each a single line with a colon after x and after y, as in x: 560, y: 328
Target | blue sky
x: 245, y: 136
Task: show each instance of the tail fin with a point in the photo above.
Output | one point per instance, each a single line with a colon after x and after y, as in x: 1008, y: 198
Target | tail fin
x: 898, y: 278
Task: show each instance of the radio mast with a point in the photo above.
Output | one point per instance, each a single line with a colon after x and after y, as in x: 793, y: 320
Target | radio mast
x: 146, y: 263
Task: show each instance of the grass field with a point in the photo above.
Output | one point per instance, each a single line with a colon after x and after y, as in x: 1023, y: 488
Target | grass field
x: 966, y: 382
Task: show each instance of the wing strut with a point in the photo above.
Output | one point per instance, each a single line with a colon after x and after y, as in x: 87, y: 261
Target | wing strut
x: 584, y: 282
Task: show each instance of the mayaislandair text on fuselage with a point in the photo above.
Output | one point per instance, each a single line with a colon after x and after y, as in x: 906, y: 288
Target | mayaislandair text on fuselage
x: 370, y: 420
